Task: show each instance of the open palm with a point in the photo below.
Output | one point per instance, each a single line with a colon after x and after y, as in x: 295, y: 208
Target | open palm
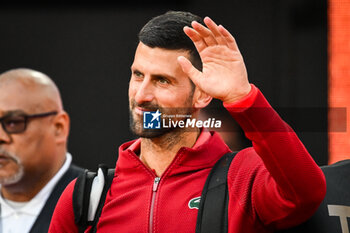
x: 224, y: 75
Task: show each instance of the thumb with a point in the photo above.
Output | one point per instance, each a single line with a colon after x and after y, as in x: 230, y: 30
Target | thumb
x: 190, y: 70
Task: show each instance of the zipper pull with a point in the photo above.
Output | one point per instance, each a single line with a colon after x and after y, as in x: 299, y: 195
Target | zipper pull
x: 155, y: 183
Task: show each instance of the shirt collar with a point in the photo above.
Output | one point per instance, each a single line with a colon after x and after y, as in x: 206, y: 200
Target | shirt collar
x: 208, y: 148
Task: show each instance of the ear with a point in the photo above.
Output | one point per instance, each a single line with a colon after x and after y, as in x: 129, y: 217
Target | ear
x: 200, y: 98
x: 62, y: 125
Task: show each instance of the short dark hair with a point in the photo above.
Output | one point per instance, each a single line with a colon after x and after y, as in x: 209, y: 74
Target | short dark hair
x: 166, y: 31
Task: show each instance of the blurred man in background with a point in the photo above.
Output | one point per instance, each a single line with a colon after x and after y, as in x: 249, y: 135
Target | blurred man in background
x: 34, y: 164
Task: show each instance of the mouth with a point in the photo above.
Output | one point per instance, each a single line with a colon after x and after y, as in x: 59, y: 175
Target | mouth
x: 140, y: 110
x: 4, y: 158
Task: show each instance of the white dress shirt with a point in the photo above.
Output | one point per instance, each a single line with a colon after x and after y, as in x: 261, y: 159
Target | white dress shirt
x: 19, y: 217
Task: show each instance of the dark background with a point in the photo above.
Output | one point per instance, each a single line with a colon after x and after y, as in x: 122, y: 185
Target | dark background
x: 87, y: 49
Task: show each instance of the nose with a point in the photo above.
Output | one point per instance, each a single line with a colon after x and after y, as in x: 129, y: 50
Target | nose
x: 4, y: 137
x: 144, y: 91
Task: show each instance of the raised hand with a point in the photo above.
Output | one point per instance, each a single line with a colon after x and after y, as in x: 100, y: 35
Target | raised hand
x: 224, y: 75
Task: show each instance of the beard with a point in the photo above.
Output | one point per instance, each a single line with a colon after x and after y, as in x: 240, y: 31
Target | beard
x: 13, y: 176
x: 136, y: 121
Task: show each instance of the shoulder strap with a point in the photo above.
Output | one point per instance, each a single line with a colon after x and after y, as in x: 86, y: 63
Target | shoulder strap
x: 88, y: 203
x: 213, y: 210
x: 109, y: 179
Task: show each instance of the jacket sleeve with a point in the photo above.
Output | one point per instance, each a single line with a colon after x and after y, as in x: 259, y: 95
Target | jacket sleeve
x: 277, y: 183
x: 63, y: 217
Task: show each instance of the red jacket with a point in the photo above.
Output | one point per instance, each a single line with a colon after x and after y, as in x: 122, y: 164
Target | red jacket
x: 272, y: 185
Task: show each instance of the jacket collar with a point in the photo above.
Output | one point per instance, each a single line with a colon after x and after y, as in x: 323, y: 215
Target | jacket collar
x: 208, y: 148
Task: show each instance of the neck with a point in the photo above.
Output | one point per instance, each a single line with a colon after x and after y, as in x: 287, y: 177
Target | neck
x: 20, y: 193
x: 158, y: 153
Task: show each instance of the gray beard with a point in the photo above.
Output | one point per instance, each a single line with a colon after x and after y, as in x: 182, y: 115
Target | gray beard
x: 14, y: 178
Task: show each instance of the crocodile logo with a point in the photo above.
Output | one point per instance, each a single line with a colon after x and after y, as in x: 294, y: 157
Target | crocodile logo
x: 194, y: 203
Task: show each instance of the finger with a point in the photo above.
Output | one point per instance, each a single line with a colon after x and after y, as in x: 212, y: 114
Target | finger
x: 205, y: 33
x: 214, y: 28
x: 231, y: 42
x: 197, y: 40
x: 189, y: 70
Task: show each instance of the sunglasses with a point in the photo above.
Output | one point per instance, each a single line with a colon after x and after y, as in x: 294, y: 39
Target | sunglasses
x: 13, y: 124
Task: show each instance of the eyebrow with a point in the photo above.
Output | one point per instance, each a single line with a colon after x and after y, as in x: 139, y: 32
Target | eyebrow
x: 13, y: 113
x: 173, y: 79
x: 156, y: 75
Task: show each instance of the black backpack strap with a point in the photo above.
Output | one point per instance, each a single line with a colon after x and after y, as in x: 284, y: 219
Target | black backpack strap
x: 81, y: 196
x: 81, y: 199
x: 108, y: 183
x: 213, y: 210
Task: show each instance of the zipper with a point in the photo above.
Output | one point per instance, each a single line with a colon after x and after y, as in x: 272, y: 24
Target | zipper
x: 154, y: 192
x: 156, y: 182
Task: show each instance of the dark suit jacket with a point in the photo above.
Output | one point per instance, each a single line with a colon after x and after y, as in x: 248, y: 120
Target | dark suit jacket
x: 42, y: 223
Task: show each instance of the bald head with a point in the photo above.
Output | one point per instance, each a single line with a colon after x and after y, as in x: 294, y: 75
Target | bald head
x: 33, y: 84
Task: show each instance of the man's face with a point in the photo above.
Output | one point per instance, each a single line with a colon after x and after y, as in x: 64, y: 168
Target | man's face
x: 23, y: 154
x: 157, y: 82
